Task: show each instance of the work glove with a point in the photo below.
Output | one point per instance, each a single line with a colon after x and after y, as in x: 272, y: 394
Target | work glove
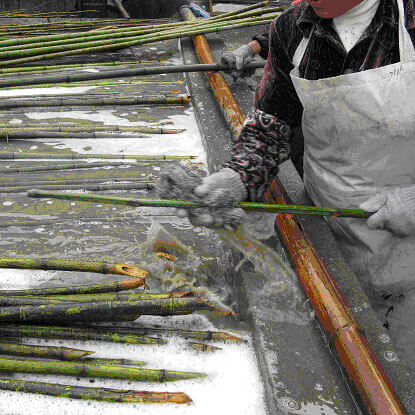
x: 395, y: 211
x: 216, y: 193
x: 238, y: 59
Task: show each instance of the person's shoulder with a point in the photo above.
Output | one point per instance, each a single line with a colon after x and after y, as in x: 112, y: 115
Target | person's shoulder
x: 286, y: 22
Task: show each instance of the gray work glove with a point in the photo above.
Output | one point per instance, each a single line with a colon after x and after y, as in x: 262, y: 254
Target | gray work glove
x: 238, y: 59
x: 215, y: 192
x: 395, y: 211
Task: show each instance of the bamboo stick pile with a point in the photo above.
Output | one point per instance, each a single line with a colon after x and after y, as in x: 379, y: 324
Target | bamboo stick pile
x: 27, y: 49
x: 72, y: 313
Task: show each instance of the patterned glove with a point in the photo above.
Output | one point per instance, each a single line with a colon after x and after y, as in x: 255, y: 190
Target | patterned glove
x: 262, y: 145
x: 215, y: 192
x: 395, y: 211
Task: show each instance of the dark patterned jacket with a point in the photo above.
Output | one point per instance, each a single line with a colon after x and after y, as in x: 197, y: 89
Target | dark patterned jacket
x: 263, y: 143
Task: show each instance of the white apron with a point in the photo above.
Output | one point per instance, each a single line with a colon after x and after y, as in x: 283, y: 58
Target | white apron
x: 359, y: 139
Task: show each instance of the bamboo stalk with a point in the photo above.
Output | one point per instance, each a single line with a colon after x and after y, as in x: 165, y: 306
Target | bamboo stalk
x: 187, y: 204
x: 187, y: 334
x: 202, y: 347
x: 76, y: 156
x: 84, y: 369
x: 98, y: 394
x: 50, y: 352
x: 85, y: 181
x: 76, y: 333
x: 114, y: 268
x: 100, y: 311
x: 94, y: 187
x: 70, y: 166
x: 10, y: 130
x: 87, y: 298
x: 79, y: 289
x: 56, y: 102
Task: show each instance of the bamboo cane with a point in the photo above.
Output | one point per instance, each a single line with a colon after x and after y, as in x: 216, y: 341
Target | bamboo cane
x: 202, y: 347
x: 74, y: 265
x: 45, y: 134
x: 94, y: 187
x: 49, y: 352
x: 101, y: 311
x: 70, y: 166
x: 76, y: 333
x: 56, y: 102
x: 79, y: 289
x: 85, y: 181
x: 76, y: 156
x: 120, y: 73
x: 187, y: 204
x: 89, y: 393
x: 187, y: 334
x: 332, y: 310
x: 84, y: 369
x: 9, y: 130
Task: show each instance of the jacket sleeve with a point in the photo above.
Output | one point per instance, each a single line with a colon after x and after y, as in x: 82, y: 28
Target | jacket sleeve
x: 264, y: 141
x: 263, y: 42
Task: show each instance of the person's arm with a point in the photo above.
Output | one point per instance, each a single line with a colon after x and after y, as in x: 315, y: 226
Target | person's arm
x: 264, y: 141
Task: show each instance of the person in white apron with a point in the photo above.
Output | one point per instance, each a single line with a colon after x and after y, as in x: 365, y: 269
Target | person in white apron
x: 359, y: 151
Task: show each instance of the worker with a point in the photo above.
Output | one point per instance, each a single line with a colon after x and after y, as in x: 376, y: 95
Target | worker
x: 344, y: 70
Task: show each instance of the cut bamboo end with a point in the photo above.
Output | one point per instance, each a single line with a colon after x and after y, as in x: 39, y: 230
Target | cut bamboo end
x: 130, y: 270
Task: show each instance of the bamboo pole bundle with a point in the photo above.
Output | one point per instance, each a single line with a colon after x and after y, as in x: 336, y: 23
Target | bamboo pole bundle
x: 48, y: 352
x: 98, y: 101
x: 84, y: 369
x: 143, y: 71
x: 76, y: 333
x: 186, y: 204
x: 43, y: 42
x: 75, y: 156
x: 113, y: 268
x: 89, y: 393
x: 31, y: 55
x: 68, y: 312
x: 94, y: 187
x: 79, y: 289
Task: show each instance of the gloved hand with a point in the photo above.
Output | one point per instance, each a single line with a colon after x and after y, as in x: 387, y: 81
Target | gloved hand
x: 215, y: 192
x: 239, y: 57
x: 395, y: 211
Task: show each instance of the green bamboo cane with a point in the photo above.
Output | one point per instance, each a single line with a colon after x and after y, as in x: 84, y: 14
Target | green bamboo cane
x: 123, y: 296
x: 89, y: 393
x: 186, y: 204
x: 76, y: 333
x: 69, y: 312
x: 98, y: 267
x: 64, y: 101
x: 93, y: 187
x: 48, y: 352
x: 78, y: 77
x: 88, y: 180
x: 45, y: 134
x: 84, y: 369
x: 79, y: 289
x: 94, y: 47
x: 187, y: 334
x: 70, y: 166
x: 10, y: 130
x: 47, y: 68
x: 86, y: 298
x: 75, y: 156
x: 202, y: 347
